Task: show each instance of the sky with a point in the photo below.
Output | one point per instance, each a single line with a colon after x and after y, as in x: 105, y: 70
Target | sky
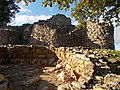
x: 35, y: 12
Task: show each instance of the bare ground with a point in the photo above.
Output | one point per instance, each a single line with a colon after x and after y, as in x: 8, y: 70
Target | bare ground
x: 29, y: 77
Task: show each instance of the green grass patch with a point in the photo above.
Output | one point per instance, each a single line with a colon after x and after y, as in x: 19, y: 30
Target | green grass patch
x: 114, y: 55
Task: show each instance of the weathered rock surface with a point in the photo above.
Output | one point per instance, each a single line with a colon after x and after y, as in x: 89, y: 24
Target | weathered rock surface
x: 58, y: 31
x: 77, y: 68
x: 91, y: 69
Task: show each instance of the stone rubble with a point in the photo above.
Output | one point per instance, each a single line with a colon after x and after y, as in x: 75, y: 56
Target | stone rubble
x: 59, y: 32
x: 90, y: 70
x: 77, y: 68
x: 78, y: 65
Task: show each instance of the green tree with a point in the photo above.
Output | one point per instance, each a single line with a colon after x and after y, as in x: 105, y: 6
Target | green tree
x: 84, y: 10
x: 8, y: 8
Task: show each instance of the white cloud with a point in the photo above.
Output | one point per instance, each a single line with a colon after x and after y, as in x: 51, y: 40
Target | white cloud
x: 22, y: 19
x: 117, y: 35
x: 22, y: 9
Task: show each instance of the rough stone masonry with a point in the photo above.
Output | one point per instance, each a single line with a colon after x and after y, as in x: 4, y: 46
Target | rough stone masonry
x: 58, y: 31
x: 68, y: 48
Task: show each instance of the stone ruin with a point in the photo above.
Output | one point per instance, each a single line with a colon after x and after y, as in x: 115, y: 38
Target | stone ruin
x: 66, y: 68
x: 60, y: 50
x: 58, y: 32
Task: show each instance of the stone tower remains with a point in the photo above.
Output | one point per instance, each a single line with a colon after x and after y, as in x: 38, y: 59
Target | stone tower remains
x: 58, y: 32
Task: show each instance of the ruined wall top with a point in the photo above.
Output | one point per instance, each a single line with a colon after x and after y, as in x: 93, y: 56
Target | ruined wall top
x: 58, y: 32
x: 59, y: 20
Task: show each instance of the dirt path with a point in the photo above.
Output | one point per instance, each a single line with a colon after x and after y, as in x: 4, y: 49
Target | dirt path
x: 28, y: 77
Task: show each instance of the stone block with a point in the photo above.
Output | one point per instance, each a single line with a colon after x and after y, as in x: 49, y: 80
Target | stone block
x: 42, y: 56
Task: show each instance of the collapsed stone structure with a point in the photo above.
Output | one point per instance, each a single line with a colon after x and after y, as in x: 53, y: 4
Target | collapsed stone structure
x: 77, y: 68
x: 57, y: 42
x: 58, y: 31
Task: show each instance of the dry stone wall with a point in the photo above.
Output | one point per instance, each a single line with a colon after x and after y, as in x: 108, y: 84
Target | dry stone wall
x: 8, y: 36
x: 87, y: 69
x: 27, y: 54
x: 78, y: 67
x: 99, y: 36
x: 15, y: 35
x: 42, y: 35
x: 54, y: 33
x: 74, y: 59
x: 58, y: 31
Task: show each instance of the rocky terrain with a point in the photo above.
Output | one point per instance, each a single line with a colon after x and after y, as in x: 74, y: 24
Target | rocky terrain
x: 56, y: 55
x: 85, y: 69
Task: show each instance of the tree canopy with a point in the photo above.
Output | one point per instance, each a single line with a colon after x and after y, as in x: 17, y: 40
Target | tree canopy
x: 8, y: 8
x: 84, y: 10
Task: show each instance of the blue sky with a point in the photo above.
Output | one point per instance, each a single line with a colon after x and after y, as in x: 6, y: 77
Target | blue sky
x: 35, y: 12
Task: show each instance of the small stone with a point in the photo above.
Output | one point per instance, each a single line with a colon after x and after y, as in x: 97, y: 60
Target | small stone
x: 61, y: 76
x: 98, y: 88
x: 91, y: 55
x: 61, y: 87
x: 56, y: 71
x: 68, y: 67
x: 65, y: 76
x: 99, y: 78
x: 81, y: 56
x: 111, y: 78
x: 46, y: 88
x: 59, y: 66
x: 44, y: 70
x: 76, y: 85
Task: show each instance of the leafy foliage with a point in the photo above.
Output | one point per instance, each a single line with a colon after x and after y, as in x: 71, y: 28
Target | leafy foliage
x: 8, y: 8
x: 97, y: 10
x: 84, y: 10
x: 25, y: 1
